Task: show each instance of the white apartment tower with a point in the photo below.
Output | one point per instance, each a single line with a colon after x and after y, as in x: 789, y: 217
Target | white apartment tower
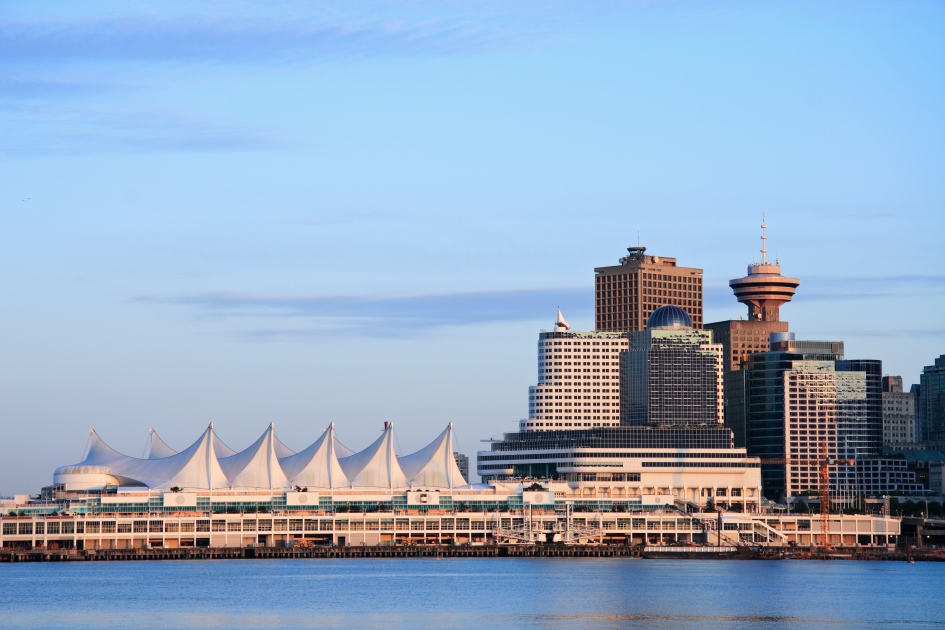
x: 578, y: 380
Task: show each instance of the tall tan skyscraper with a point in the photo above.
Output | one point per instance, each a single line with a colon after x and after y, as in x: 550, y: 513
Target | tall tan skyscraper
x: 627, y: 293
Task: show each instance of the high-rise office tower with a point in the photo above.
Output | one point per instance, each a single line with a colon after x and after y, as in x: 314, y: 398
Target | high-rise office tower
x: 830, y: 406
x: 626, y: 294
x: 803, y: 394
x: 860, y: 421
x: 898, y: 413
x: 932, y: 402
x: 671, y: 373
x: 759, y: 421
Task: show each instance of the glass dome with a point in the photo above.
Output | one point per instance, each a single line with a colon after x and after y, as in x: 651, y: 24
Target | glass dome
x: 669, y: 317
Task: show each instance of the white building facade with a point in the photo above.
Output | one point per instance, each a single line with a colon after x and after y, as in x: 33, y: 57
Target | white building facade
x: 578, y: 380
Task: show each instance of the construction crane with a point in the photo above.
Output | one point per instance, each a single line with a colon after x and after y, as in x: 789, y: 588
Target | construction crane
x: 823, y: 463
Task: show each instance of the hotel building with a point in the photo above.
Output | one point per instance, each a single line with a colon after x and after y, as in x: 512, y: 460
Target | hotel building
x: 578, y: 380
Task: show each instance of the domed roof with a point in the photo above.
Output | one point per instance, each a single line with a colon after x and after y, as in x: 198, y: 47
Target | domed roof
x: 668, y: 317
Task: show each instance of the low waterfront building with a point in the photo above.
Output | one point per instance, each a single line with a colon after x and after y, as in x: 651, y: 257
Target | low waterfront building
x: 697, y: 465
x: 326, y: 494
x: 139, y: 522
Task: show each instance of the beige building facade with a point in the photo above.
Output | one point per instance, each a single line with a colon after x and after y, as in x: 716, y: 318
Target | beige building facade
x: 898, y: 413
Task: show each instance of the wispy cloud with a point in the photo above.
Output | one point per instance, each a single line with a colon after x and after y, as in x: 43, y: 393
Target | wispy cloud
x: 14, y: 89
x: 931, y: 333
x: 842, y: 288
x: 383, y: 315
x: 202, y: 37
x: 71, y: 131
x: 833, y: 288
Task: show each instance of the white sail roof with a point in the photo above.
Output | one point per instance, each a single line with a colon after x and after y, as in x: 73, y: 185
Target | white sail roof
x: 194, y: 468
x: 376, y: 466
x: 317, y: 466
x: 197, y: 468
x: 282, y: 450
x: 157, y: 448
x: 257, y: 466
x: 222, y: 449
x: 340, y: 449
x: 435, y: 465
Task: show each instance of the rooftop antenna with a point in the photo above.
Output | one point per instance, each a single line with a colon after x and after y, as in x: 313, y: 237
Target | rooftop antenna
x: 764, y: 248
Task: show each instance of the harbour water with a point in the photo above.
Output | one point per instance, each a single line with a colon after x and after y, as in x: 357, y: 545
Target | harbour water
x: 473, y: 593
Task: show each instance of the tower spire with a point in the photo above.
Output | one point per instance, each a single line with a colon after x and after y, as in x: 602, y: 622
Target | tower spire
x: 764, y: 239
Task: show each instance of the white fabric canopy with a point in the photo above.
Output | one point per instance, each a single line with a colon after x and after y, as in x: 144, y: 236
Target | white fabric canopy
x: 157, y: 449
x: 434, y: 466
x: 317, y: 466
x: 376, y: 466
x: 222, y: 450
x: 194, y: 468
x: 282, y: 450
x: 267, y: 464
x: 256, y: 467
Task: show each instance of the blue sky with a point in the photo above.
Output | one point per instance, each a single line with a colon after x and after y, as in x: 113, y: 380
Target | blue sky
x: 281, y: 212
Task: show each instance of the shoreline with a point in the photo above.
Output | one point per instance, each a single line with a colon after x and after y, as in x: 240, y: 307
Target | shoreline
x: 450, y: 551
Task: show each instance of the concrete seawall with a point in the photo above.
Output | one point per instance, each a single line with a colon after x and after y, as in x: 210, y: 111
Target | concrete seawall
x: 448, y: 551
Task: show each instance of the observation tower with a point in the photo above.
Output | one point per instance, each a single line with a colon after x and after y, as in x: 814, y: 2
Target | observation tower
x: 764, y: 289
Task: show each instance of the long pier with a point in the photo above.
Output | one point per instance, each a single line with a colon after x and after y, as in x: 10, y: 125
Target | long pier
x: 448, y: 551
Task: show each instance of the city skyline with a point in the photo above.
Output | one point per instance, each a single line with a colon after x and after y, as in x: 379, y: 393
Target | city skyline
x: 357, y: 218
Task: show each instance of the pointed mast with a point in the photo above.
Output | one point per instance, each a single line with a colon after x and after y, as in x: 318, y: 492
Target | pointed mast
x: 764, y: 239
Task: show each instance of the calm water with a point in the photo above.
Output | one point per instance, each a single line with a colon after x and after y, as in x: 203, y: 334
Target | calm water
x: 473, y: 593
